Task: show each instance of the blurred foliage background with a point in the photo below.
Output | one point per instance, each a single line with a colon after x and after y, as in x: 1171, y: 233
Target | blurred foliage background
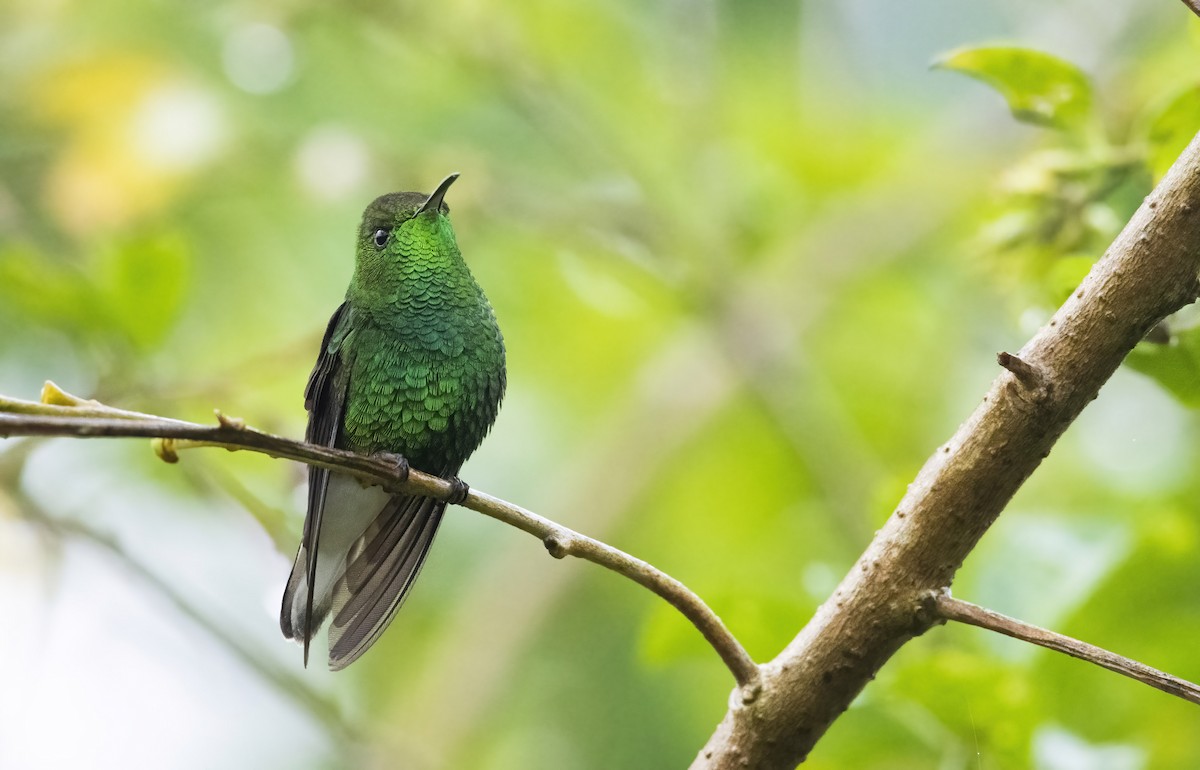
x: 753, y: 261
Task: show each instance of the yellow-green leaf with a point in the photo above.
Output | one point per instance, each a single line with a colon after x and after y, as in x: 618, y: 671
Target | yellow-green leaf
x: 1040, y: 88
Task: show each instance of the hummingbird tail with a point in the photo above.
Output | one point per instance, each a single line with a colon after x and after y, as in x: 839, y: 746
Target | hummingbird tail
x: 351, y: 507
x: 379, y: 573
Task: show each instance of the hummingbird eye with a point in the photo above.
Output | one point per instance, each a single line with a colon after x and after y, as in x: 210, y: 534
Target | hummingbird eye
x: 381, y: 237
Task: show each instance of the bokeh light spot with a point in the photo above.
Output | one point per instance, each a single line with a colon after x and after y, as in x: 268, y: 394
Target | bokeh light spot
x: 258, y: 58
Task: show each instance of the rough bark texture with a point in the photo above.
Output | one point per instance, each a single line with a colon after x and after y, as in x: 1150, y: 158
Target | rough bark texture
x: 1149, y: 272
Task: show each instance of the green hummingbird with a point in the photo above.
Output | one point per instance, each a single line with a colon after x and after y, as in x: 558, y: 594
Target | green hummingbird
x: 412, y: 363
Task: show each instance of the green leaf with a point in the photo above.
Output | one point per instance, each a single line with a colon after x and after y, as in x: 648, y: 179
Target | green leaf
x: 1170, y: 128
x: 1040, y: 89
x: 144, y: 281
x: 1175, y: 366
x: 132, y: 292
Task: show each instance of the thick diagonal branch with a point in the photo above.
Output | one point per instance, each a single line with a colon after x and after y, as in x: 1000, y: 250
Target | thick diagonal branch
x: 66, y: 415
x: 1149, y: 272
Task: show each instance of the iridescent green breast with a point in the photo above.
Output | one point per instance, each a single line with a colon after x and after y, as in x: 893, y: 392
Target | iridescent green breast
x: 431, y: 397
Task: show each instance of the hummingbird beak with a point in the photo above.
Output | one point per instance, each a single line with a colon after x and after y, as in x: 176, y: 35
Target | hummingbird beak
x: 434, y: 201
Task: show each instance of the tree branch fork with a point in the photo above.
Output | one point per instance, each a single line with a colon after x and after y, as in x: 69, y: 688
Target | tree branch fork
x: 899, y: 586
x: 1149, y: 272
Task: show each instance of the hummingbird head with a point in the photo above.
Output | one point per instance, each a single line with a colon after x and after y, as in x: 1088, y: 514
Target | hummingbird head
x: 388, y: 213
x: 405, y: 243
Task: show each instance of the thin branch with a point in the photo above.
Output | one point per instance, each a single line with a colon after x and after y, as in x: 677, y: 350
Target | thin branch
x: 1194, y: 5
x: 947, y: 607
x: 62, y: 417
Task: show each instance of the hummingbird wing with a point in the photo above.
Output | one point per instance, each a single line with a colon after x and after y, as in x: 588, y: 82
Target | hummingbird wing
x: 325, y: 399
x: 380, y: 570
x: 374, y: 544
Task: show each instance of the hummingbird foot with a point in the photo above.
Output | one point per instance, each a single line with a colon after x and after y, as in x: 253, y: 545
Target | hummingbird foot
x: 458, y: 490
x: 398, y: 462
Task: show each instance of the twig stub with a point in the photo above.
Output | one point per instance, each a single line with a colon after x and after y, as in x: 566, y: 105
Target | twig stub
x: 556, y: 547
x: 233, y: 423
x: 1026, y: 373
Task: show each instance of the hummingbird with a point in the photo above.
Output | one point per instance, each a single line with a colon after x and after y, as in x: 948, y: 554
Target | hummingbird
x: 412, y: 363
